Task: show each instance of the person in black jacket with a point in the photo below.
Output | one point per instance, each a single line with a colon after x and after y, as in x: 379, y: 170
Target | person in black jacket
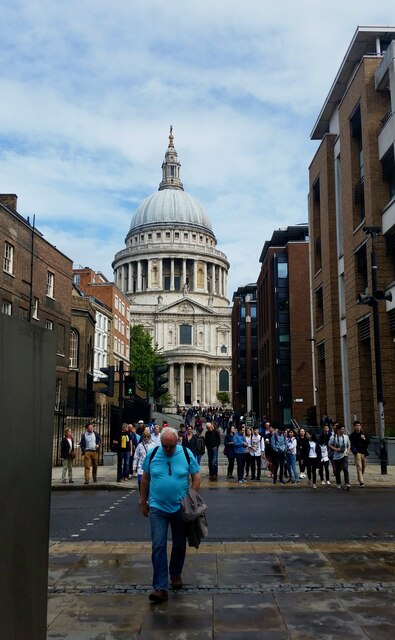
x: 212, y: 440
x: 67, y: 454
x: 359, y: 446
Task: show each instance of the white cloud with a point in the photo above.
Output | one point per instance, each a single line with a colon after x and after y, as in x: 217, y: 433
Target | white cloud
x: 90, y: 89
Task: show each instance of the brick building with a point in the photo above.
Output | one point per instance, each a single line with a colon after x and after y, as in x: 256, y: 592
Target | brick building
x: 286, y: 385
x: 352, y: 187
x: 245, y: 350
x: 82, y: 340
x: 35, y: 283
x: 112, y: 311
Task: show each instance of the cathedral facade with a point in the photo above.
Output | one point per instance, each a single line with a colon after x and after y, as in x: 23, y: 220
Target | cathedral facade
x: 176, y: 281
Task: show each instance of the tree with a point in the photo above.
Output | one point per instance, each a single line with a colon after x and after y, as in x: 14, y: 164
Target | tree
x: 223, y: 397
x: 143, y: 357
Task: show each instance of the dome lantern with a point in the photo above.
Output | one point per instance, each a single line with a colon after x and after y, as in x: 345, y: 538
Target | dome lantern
x: 171, y: 167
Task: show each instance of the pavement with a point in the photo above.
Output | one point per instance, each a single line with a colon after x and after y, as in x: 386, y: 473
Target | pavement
x: 232, y: 591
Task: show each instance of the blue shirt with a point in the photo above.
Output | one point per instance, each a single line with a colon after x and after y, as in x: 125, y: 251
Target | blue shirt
x: 169, y: 478
x: 238, y: 440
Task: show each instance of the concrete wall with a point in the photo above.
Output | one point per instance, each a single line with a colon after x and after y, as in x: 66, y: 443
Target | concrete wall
x: 27, y: 392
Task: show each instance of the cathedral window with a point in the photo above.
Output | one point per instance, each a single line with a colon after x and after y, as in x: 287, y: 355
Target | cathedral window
x: 186, y: 334
x: 168, y: 234
x: 185, y: 236
x: 223, y: 380
x: 158, y: 235
x: 223, y: 349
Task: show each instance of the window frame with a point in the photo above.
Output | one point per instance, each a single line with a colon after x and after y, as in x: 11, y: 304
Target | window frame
x: 8, y: 260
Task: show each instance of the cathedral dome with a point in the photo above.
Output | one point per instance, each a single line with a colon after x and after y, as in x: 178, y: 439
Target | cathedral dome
x: 170, y: 206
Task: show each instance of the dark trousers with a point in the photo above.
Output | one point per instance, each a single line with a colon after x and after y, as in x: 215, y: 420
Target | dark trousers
x: 248, y: 464
x: 256, y: 463
x: 279, y: 460
x: 240, y: 459
x: 311, y: 464
x: 231, y: 466
x: 342, y: 465
x: 324, y: 465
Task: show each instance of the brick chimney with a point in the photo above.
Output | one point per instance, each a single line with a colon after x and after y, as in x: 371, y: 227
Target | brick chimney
x: 10, y: 199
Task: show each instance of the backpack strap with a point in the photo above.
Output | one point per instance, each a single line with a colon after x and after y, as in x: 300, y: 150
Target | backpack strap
x: 155, y: 450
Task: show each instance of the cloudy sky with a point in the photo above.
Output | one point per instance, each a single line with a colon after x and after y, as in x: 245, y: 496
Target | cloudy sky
x: 90, y: 87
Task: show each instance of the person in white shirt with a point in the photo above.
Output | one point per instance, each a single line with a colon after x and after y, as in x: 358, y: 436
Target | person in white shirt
x: 155, y: 436
x: 257, y: 447
x: 292, y: 444
x: 313, y: 458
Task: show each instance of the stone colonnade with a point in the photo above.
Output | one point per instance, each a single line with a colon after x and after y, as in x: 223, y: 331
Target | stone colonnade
x: 192, y: 383
x: 172, y: 274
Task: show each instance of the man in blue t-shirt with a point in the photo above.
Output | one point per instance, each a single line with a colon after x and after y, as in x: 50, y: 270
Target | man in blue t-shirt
x: 166, y: 472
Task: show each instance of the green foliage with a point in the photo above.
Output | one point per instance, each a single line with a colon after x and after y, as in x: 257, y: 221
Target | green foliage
x: 143, y: 357
x: 223, y: 397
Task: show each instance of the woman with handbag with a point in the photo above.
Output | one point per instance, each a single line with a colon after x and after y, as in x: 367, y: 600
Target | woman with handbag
x: 67, y: 454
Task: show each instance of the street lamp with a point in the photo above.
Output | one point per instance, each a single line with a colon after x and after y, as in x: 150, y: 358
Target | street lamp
x: 372, y: 301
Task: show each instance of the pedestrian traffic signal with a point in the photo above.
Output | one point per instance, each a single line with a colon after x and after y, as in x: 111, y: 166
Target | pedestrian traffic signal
x: 160, y: 379
x: 130, y: 385
x: 108, y: 390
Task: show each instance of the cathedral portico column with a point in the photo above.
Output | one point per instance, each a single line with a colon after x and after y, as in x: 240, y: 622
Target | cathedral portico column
x: 171, y: 381
x: 205, y: 277
x: 171, y: 274
x: 194, y: 275
x: 215, y: 289
x: 138, y: 275
x: 203, y: 384
x: 194, y: 383
x: 182, y: 383
x: 207, y: 381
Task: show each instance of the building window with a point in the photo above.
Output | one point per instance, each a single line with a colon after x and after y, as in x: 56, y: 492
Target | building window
x: 185, y: 236
x: 50, y: 284
x: 223, y: 380
x: 158, y: 235
x: 73, y: 349
x: 186, y: 334
x: 116, y: 302
x: 49, y: 325
x: 358, y: 169
x: 61, y: 336
x: 6, y: 308
x: 388, y: 169
x: 76, y: 279
x: 282, y: 270
x: 223, y: 349
x: 8, y: 262
x: 168, y: 235
x: 35, y: 309
x: 319, y: 307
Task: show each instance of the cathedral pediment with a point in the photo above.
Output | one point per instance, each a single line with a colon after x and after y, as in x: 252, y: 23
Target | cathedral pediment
x: 186, y: 306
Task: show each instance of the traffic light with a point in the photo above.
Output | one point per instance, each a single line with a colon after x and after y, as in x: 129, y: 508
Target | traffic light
x: 160, y: 380
x: 109, y: 389
x: 130, y: 385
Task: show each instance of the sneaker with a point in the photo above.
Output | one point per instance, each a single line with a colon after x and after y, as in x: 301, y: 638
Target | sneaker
x: 361, y: 484
x: 159, y: 595
x: 302, y: 475
x: 176, y: 582
x: 314, y: 486
x: 338, y: 486
x: 328, y: 482
x: 348, y: 487
x: 241, y: 481
x: 323, y: 482
x: 86, y: 482
x: 71, y: 481
x: 274, y: 481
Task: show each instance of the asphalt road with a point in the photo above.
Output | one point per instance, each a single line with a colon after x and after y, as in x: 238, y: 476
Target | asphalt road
x: 241, y: 514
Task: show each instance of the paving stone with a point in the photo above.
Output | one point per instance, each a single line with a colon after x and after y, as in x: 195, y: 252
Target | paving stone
x: 246, y: 612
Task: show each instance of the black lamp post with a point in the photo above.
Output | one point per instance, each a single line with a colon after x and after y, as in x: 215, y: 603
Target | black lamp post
x: 372, y: 301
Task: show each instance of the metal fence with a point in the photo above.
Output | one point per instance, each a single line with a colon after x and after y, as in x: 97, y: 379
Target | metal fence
x: 66, y: 418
